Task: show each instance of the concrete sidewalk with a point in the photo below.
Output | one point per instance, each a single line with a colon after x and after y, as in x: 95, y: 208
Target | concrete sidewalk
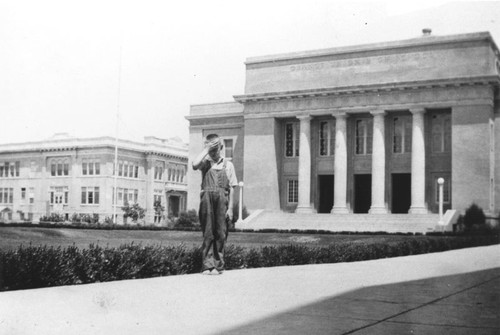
x: 455, y: 292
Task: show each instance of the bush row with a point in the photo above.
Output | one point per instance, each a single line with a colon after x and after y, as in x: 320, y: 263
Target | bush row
x: 41, y: 266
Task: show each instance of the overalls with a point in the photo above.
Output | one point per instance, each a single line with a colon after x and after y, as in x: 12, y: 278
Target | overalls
x: 213, y: 208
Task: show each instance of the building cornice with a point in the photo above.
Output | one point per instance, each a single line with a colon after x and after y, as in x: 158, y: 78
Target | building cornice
x: 422, y: 41
x: 361, y: 89
x: 73, y: 144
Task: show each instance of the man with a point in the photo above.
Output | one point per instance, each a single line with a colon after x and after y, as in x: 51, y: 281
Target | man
x: 216, y: 202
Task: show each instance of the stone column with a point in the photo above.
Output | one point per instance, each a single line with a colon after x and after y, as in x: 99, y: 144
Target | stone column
x: 304, y: 205
x: 378, y: 164
x: 340, y: 165
x: 418, y: 163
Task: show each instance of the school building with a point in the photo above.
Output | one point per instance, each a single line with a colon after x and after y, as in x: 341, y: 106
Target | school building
x: 68, y: 175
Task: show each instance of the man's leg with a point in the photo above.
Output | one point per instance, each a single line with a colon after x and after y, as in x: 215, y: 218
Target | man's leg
x: 207, y: 222
x: 220, y: 235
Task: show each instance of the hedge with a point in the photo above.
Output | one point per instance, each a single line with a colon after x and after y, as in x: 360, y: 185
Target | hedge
x: 31, y: 266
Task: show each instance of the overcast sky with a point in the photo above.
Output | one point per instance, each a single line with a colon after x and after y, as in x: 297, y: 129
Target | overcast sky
x: 60, y: 60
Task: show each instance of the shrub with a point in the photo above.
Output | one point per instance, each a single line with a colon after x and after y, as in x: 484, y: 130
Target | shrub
x: 42, y: 266
x: 187, y: 219
x: 53, y: 217
x: 474, y: 215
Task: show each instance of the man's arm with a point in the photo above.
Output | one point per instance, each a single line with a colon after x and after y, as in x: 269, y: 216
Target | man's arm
x: 197, y: 162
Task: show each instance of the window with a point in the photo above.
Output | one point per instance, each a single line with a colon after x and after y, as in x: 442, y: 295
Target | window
x: 441, y: 133
x: 292, y: 139
x: 293, y: 191
x: 125, y: 196
x: 91, y: 167
x: 128, y: 169
x: 159, y: 168
x: 157, y: 203
x: 446, y: 191
x: 59, y: 195
x: 90, y: 195
x: 364, y: 136
x: 59, y: 167
x: 9, y: 169
x: 6, y: 195
x: 31, y: 195
x: 23, y: 194
x: 401, y: 138
x: 228, y: 148
x: 326, y: 138
x: 176, y: 173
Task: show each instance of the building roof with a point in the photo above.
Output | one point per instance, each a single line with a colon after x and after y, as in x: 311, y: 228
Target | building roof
x: 63, y: 141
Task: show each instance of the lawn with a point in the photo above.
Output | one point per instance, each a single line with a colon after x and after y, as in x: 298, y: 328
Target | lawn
x: 12, y: 237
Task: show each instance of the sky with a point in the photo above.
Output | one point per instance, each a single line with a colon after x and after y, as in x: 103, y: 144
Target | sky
x: 84, y: 67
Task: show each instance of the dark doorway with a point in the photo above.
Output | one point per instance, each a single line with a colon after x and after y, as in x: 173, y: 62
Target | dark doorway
x: 362, y: 193
x: 401, y: 192
x: 173, y: 205
x: 325, y: 185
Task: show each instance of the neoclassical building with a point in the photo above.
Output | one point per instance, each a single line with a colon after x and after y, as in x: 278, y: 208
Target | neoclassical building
x: 67, y: 175
x: 364, y: 129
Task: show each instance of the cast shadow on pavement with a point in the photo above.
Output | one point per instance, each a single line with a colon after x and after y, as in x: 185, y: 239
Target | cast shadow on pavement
x: 458, y: 304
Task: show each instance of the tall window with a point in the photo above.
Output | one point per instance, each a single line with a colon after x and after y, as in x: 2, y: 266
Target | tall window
x: 9, y: 169
x: 6, y: 195
x: 59, y: 167
x: 59, y: 195
x: 157, y: 203
x: 228, y: 148
x: 292, y: 136
x: 293, y: 191
x: 159, y: 168
x: 23, y: 194
x: 128, y: 169
x: 401, y: 134
x: 364, y: 136
x: 441, y: 133
x: 91, y: 167
x: 90, y: 195
x: 176, y: 173
x: 31, y: 195
x: 126, y: 196
x: 326, y: 138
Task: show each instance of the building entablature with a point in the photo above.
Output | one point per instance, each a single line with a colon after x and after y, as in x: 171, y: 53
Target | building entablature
x: 368, y: 89
x: 429, y: 95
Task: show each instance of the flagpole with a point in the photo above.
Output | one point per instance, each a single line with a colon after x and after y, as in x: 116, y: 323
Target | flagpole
x: 115, y: 165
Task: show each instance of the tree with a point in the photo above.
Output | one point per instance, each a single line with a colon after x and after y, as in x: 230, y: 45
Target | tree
x: 135, y: 212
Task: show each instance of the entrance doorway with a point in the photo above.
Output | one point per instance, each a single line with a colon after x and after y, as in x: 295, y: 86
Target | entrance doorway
x: 325, y: 185
x: 173, y: 205
x: 401, y: 192
x: 362, y: 193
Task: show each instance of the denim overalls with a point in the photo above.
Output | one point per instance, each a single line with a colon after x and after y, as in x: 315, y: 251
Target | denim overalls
x: 213, y: 207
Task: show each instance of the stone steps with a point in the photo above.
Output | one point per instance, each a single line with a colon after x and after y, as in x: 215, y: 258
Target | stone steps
x: 392, y: 223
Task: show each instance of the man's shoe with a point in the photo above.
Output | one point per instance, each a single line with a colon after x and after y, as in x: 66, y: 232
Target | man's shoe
x: 206, y: 272
x: 215, y: 272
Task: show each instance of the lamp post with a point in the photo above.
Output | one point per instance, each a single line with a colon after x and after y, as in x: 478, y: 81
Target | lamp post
x: 440, y: 183
x: 240, y: 204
